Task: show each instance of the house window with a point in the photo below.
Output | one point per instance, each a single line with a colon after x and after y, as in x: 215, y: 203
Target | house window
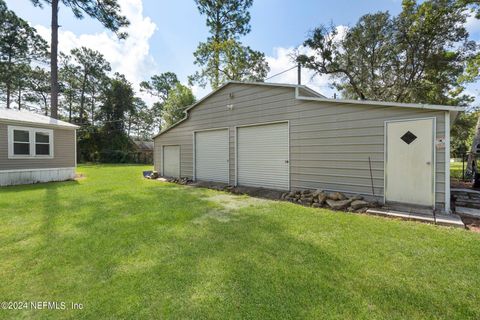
x: 26, y: 143
x: 21, y: 142
x: 42, y: 143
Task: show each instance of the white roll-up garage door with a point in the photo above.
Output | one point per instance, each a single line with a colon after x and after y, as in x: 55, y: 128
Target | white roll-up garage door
x: 262, y: 156
x: 171, y: 161
x: 211, y: 155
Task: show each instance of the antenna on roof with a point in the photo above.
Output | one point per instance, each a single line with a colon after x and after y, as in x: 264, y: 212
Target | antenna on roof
x: 299, y: 73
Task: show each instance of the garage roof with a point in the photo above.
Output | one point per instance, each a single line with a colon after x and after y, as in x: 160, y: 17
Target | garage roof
x: 321, y: 98
x: 27, y: 117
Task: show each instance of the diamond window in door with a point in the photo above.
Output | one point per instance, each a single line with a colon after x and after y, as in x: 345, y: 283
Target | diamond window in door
x: 408, y: 137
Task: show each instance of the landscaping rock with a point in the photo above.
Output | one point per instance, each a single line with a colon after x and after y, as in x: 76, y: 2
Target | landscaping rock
x: 316, y: 205
x: 358, y: 204
x: 336, y: 196
x: 338, y: 204
x: 357, y: 197
x: 317, y: 192
x: 322, y: 196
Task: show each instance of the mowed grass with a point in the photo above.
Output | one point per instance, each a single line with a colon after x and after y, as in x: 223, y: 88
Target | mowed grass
x: 456, y: 170
x: 129, y: 248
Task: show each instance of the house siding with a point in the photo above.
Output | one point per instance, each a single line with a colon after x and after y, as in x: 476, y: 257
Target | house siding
x: 329, y: 143
x: 64, y: 150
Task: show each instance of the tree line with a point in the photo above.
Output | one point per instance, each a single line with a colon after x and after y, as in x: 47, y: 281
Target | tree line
x: 79, y: 86
x: 422, y: 55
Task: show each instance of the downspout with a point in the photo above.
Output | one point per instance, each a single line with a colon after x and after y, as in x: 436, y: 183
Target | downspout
x: 447, y: 162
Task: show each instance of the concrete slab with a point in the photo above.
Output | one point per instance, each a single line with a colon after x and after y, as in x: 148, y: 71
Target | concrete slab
x: 451, y: 220
x: 469, y: 212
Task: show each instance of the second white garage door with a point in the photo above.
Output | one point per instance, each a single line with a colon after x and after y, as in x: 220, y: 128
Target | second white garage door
x: 211, y: 155
x: 262, y: 156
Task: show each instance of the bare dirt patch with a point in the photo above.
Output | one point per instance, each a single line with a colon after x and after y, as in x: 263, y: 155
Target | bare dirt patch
x: 228, y: 207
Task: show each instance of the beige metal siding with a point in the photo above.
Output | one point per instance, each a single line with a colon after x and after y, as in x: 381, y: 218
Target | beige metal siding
x: 211, y: 155
x: 329, y: 143
x: 262, y: 155
x: 64, y: 151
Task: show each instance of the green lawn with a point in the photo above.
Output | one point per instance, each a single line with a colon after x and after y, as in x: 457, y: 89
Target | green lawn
x: 456, y: 170
x: 126, y: 247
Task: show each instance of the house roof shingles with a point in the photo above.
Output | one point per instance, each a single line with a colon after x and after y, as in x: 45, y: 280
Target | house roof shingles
x: 30, y: 118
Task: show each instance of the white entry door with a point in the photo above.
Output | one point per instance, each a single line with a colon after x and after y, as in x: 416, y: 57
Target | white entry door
x: 171, y: 161
x: 263, y: 155
x: 211, y: 155
x: 410, y: 162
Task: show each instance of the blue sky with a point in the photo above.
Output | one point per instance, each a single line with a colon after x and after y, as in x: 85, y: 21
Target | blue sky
x: 164, y: 34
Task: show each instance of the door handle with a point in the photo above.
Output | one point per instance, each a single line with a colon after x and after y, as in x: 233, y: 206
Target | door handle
x: 286, y: 161
x: 429, y: 163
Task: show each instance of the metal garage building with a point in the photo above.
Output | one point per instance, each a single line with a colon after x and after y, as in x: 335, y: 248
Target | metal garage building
x: 288, y: 137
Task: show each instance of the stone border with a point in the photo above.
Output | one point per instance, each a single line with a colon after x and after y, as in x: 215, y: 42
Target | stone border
x: 310, y: 198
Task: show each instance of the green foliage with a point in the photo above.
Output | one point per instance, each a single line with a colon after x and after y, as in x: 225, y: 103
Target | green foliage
x: 93, y: 71
x: 140, y: 120
x: 417, y: 56
x: 462, y: 133
x: 178, y: 100
x: 19, y: 45
x: 108, y: 141
x: 226, y: 19
x: 223, y: 57
x: 472, y: 69
x: 39, y: 85
x: 236, y: 62
x: 131, y: 248
x: 160, y: 87
x: 70, y: 84
x: 107, y: 12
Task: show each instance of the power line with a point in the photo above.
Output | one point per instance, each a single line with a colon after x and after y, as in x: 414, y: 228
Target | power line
x: 280, y: 73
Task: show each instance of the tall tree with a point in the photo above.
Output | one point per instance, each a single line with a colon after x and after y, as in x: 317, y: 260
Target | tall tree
x: 179, y: 99
x: 159, y: 86
x: 117, y: 103
x: 463, y: 132
x: 39, y: 88
x: 140, y: 120
x: 20, y: 81
x: 417, y: 56
x: 70, y: 83
x: 222, y: 53
x: 105, y: 11
x: 19, y: 45
x: 94, y: 68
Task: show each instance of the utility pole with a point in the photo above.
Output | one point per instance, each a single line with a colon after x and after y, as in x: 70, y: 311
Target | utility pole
x: 299, y: 74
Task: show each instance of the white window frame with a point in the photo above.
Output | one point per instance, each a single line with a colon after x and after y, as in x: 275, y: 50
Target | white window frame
x: 32, y: 137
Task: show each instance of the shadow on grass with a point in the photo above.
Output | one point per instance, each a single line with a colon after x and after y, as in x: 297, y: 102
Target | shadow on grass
x: 139, y: 252
x: 37, y: 186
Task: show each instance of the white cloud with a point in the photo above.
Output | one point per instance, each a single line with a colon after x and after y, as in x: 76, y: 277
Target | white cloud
x: 130, y: 57
x: 473, y: 25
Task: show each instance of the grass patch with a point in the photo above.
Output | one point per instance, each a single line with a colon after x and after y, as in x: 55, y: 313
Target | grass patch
x: 126, y: 247
x: 456, y: 169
